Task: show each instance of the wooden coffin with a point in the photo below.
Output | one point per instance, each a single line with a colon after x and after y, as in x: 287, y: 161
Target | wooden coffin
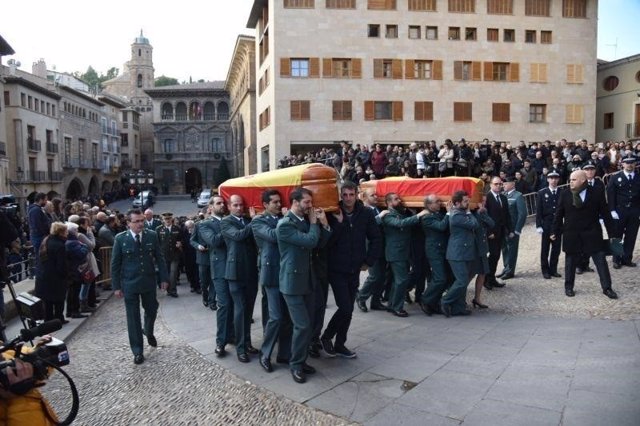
x: 412, y: 191
x: 321, y: 180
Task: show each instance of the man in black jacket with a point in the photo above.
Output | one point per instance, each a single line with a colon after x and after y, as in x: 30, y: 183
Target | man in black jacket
x: 353, y: 227
x: 577, y: 218
x: 498, y: 209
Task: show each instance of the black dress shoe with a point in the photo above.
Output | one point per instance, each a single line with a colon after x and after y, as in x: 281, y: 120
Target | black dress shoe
x: 265, y: 363
x: 556, y: 275
x: 77, y: 315
x: 580, y: 271
x: 251, y: 350
x: 282, y: 360
x: 426, y: 309
x: 172, y: 294
x: 221, y: 351
x: 569, y: 293
x: 616, y: 265
x: 546, y: 276
x: 298, y: 376
x: 488, y: 285
x: 152, y: 341
x: 138, y: 359
x: 307, y: 369
x: 401, y: 313
x: 378, y: 306
x: 630, y: 264
x: 610, y: 293
x: 314, y: 351
x: 497, y: 284
x: 243, y: 357
x: 464, y: 313
x: 446, y: 310
x: 362, y: 305
x: 205, y: 303
x: 501, y: 274
x: 507, y: 276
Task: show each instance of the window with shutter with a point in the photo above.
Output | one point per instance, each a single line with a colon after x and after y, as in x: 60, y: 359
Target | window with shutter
x: 574, y: 114
x: 574, y: 8
x: 384, y: 110
x: 575, y: 73
x: 500, y: 7
x: 422, y: 69
x: 501, y: 112
x: 299, y: 4
x: 299, y: 67
x: 432, y: 33
x: 341, y: 4
x: 462, y: 6
x: 397, y: 111
x: 342, y: 110
x: 423, y: 111
x: 492, y: 34
x: 422, y: 5
x: 608, y: 120
x: 373, y: 30
x: 470, y: 33
x: 462, y: 111
x: 537, y: 113
x: 391, y: 31
x: 414, y: 32
x: 545, y: 37
x: 537, y: 7
x: 381, y: 4
x: 530, y: 36
x: 369, y: 110
x: 300, y: 110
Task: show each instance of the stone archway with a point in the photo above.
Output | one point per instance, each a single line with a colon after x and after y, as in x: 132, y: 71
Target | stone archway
x: 75, y: 190
x: 94, y: 186
x: 192, y: 180
x: 106, y: 186
x: 115, y: 185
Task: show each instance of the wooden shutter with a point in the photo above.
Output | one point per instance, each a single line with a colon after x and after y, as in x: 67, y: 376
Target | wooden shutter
x: 437, y: 70
x: 534, y: 73
x: 305, y: 110
x: 428, y: 111
x: 327, y: 69
x: 356, y: 68
x: 377, y: 68
x: 571, y: 73
x: 488, y: 71
x: 295, y: 110
x: 501, y: 112
x: 579, y: 73
x: 542, y: 73
x: 476, y: 70
x: 397, y: 110
x: 369, y: 111
x: 514, y: 71
x: 396, y: 68
x: 408, y: 68
x: 457, y: 70
x: 285, y: 67
x: 314, y: 67
x: 418, y: 111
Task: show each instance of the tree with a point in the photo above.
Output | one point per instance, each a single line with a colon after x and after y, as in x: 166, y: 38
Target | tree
x: 111, y: 73
x: 222, y: 173
x: 90, y: 76
x: 166, y: 81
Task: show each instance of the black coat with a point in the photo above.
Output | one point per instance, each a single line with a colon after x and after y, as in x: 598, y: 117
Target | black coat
x: 580, y: 227
x: 500, y: 216
x: 51, y: 278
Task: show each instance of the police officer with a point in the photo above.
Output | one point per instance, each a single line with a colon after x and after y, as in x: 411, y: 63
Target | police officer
x: 171, y: 243
x: 204, y: 266
x: 623, y: 192
x: 133, y: 276
x: 546, y: 205
x: 435, y: 225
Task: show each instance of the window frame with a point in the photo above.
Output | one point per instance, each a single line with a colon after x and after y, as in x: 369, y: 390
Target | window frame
x: 463, y: 111
x: 537, y: 113
x: 299, y: 61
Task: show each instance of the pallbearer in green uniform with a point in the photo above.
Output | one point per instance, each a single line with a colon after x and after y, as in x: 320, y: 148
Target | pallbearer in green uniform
x: 136, y: 254
x: 171, y: 245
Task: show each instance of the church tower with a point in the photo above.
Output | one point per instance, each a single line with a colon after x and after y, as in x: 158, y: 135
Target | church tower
x: 141, y: 70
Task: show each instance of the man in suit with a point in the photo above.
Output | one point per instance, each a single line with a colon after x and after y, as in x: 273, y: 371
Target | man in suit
x: 578, y: 218
x: 171, y: 243
x: 374, y: 284
x: 39, y: 223
x: 397, y: 234
x: 498, y: 209
x: 590, y: 169
x: 461, y: 253
x: 151, y: 222
x: 517, y: 217
x: 355, y: 245
x: 623, y: 193
x: 241, y: 273
x: 278, y: 328
x: 546, y: 206
x: 204, y: 265
x: 435, y: 225
x: 298, y: 233
x: 136, y: 252
x: 211, y: 235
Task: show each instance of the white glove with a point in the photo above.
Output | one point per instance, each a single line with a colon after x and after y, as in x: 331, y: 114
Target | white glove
x: 614, y: 214
x: 539, y: 230
x: 601, y: 222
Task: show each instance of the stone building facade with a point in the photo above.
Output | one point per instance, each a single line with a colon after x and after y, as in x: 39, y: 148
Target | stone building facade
x: 192, y: 135
x: 241, y: 85
x: 618, y: 105
x: 398, y: 71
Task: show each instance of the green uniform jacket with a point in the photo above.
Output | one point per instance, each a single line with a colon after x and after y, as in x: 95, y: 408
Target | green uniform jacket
x: 296, y: 240
x: 517, y: 210
x: 436, y: 234
x: 153, y: 225
x: 397, y: 235
x: 462, y: 241
x: 133, y: 269
x: 168, y: 239
x: 242, y: 254
x: 264, y: 231
x: 212, y: 236
x: 196, y: 240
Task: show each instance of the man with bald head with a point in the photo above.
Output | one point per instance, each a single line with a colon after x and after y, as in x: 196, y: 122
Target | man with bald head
x: 577, y: 218
x: 151, y: 222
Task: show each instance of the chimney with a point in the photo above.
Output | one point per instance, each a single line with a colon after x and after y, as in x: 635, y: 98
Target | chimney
x: 39, y: 69
x: 13, y: 66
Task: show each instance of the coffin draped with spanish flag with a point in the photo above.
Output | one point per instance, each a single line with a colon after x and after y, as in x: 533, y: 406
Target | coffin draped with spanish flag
x: 412, y: 191
x: 321, y: 180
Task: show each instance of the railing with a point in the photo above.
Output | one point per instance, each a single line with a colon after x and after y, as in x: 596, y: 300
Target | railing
x: 181, y: 117
x: 104, y: 257
x: 95, y: 164
x: 633, y: 130
x: 209, y: 117
x: 36, y: 176
x: 24, y: 269
x: 55, y: 176
x: 71, y: 163
x: 34, y: 145
x: 86, y: 164
x: 3, y: 148
x: 167, y: 116
x: 223, y: 116
x: 52, y: 148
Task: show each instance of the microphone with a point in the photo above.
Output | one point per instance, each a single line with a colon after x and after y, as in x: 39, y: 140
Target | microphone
x: 42, y: 329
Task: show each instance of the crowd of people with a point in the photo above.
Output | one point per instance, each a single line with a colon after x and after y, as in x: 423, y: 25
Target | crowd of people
x: 529, y: 163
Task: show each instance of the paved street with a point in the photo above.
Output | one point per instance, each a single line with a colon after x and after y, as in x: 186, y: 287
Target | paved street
x: 534, y: 358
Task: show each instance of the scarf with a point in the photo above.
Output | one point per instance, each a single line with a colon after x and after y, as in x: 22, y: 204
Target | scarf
x: 577, y: 201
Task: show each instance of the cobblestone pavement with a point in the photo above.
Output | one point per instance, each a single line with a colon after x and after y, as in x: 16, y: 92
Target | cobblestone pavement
x: 174, y: 386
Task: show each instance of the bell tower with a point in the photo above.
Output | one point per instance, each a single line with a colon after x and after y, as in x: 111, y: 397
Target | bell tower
x: 141, y: 70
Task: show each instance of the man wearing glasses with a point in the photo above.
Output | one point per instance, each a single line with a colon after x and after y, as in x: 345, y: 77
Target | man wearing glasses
x: 498, y: 209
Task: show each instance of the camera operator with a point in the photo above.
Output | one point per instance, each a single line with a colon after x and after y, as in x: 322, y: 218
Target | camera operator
x: 8, y: 235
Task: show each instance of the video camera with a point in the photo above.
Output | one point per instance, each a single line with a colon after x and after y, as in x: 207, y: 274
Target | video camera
x: 53, y: 354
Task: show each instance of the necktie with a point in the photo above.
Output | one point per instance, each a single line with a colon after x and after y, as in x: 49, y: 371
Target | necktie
x: 590, y: 183
x: 553, y: 192
x: 498, y: 200
x: 138, y: 240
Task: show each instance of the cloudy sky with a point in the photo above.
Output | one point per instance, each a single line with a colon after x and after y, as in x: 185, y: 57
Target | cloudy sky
x: 191, y: 38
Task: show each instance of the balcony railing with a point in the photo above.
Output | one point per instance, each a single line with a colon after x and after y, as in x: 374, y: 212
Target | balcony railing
x: 209, y: 117
x: 633, y: 130
x: 3, y: 148
x: 36, y: 176
x: 95, y: 164
x: 54, y: 176
x: 126, y: 165
x: 124, y: 143
x: 223, y: 116
x: 181, y: 117
x: 167, y: 116
x: 86, y: 164
x: 71, y: 163
x: 52, y: 148
x: 34, y: 145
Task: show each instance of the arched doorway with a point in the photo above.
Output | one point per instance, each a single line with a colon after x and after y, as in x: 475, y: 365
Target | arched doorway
x: 192, y: 180
x: 93, y: 186
x: 74, y: 190
x: 115, y: 185
x: 106, y: 186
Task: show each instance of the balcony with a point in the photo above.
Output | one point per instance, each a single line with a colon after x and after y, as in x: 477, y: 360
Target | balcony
x: 52, y: 148
x: 71, y: 163
x: 86, y: 164
x: 34, y: 145
x: 124, y: 144
x: 168, y: 116
x: 3, y: 148
x: 223, y: 117
x: 126, y: 165
x: 54, y: 176
x: 36, y: 176
x: 95, y: 164
x: 633, y: 130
